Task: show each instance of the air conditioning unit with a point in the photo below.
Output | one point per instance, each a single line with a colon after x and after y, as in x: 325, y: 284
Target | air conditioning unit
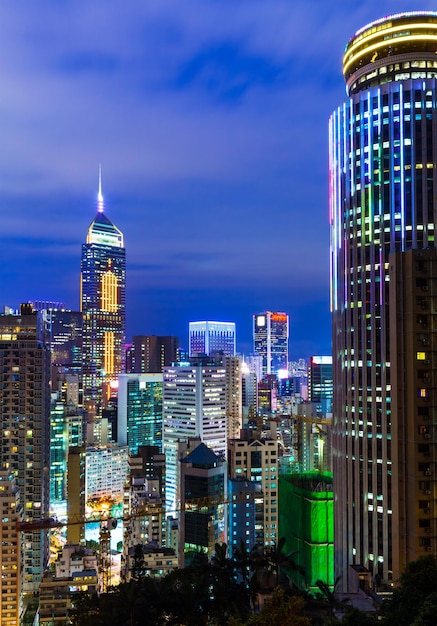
x: 427, y: 510
x: 427, y: 492
x: 427, y: 436
x: 428, y: 548
x: 427, y: 472
x: 427, y: 529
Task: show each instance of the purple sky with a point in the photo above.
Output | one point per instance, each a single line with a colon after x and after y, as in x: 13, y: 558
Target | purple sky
x: 210, y: 121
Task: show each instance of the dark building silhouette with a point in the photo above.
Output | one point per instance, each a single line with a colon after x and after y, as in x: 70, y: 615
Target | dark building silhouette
x: 150, y: 354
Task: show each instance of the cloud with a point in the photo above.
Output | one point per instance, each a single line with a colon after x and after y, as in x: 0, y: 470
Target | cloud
x: 210, y: 121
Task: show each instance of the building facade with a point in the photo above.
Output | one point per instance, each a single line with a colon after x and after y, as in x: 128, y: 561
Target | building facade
x: 202, y: 525
x: 25, y: 427
x: 383, y: 203
x: 194, y: 405
x: 105, y: 474
x: 270, y: 340
x: 212, y: 337
x: 254, y: 459
x: 10, y: 551
x: 139, y: 417
x: 150, y: 353
x: 65, y: 338
x: 320, y: 386
x: 103, y: 303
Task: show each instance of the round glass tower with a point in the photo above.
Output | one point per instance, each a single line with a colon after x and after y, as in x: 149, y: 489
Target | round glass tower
x: 383, y: 207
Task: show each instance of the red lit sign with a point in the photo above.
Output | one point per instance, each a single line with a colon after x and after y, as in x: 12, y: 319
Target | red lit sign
x: 278, y: 317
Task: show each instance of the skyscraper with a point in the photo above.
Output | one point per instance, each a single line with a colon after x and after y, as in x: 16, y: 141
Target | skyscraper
x: 103, y: 296
x: 383, y: 203
x: 25, y: 428
x: 212, y: 337
x: 270, y: 340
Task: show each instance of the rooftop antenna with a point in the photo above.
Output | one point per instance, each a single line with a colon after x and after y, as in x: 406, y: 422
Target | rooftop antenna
x: 100, y: 205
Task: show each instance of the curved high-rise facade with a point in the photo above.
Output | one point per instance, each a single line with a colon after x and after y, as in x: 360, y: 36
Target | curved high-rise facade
x: 103, y: 304
x: 383, y: 213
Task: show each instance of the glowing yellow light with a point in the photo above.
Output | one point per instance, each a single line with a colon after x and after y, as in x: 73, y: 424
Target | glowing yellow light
x: 108, y: 362
x: 383, y: 44
x: 109, y: 292
x: 375, y: 34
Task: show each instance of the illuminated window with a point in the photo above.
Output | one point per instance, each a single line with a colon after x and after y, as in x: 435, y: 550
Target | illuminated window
x: 421, y: 356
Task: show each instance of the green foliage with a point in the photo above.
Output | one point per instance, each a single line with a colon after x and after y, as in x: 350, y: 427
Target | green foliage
x: 278, y: 610
x: 415, y: 600
x: 220, y: 591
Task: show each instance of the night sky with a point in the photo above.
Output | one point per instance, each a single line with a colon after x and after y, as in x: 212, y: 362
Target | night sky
x: 210, y: 120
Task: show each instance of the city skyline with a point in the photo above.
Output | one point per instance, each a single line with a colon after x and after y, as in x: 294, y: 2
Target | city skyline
x: 211, y: 133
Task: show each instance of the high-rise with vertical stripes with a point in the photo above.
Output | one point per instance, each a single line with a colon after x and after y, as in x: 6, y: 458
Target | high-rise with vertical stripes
x: 383, y: 213
x: 103, y: 303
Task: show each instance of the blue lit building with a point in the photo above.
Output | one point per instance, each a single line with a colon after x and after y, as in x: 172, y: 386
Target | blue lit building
x: 103, y: 301
x: 383, y: 207
x: 139, y: 411
x: 270, y: 340
x: 242, y: 497
x: 320, y: 383
x: 212, y: 337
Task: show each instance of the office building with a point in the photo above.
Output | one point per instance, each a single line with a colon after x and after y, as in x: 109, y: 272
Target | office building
x: 320, y: 384
x: 202, y: 526
x: 65, y: 338
x: 212, y: 337
x: 383, y: 202
x: 150, y: 354
x: 194, y: 405
x: 25, y: 427
x: 139, y: 421
x: 10, y: 551
x: 270, y: 341
x: 103, y: 295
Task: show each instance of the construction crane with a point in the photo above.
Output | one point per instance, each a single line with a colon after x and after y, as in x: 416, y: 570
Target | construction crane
x: 142, y: 511
x: 108, y: 521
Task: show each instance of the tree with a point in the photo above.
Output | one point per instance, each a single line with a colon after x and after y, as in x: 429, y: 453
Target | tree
x: 278, y: 610
x: 138, y: 570
x: 331, y: 595
x: 279, y: 560
x: 416, y: 593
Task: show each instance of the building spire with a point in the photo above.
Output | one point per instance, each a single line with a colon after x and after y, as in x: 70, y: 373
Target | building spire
x: 100, y: 204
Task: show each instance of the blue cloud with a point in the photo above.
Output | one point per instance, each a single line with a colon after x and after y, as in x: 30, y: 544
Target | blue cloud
x: 226, y: 71
x: 88, y: 62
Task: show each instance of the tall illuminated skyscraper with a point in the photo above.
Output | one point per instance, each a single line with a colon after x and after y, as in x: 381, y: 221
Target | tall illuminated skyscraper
x: 383, y: 204
x: 270, y: 340
x: 103, y: 297
x: 25, y: 428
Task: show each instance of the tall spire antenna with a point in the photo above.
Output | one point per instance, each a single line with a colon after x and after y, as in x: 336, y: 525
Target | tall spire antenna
x: 100, y: 205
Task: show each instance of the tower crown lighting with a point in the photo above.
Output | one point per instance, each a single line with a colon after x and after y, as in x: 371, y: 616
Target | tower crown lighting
x: 393, y: 48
